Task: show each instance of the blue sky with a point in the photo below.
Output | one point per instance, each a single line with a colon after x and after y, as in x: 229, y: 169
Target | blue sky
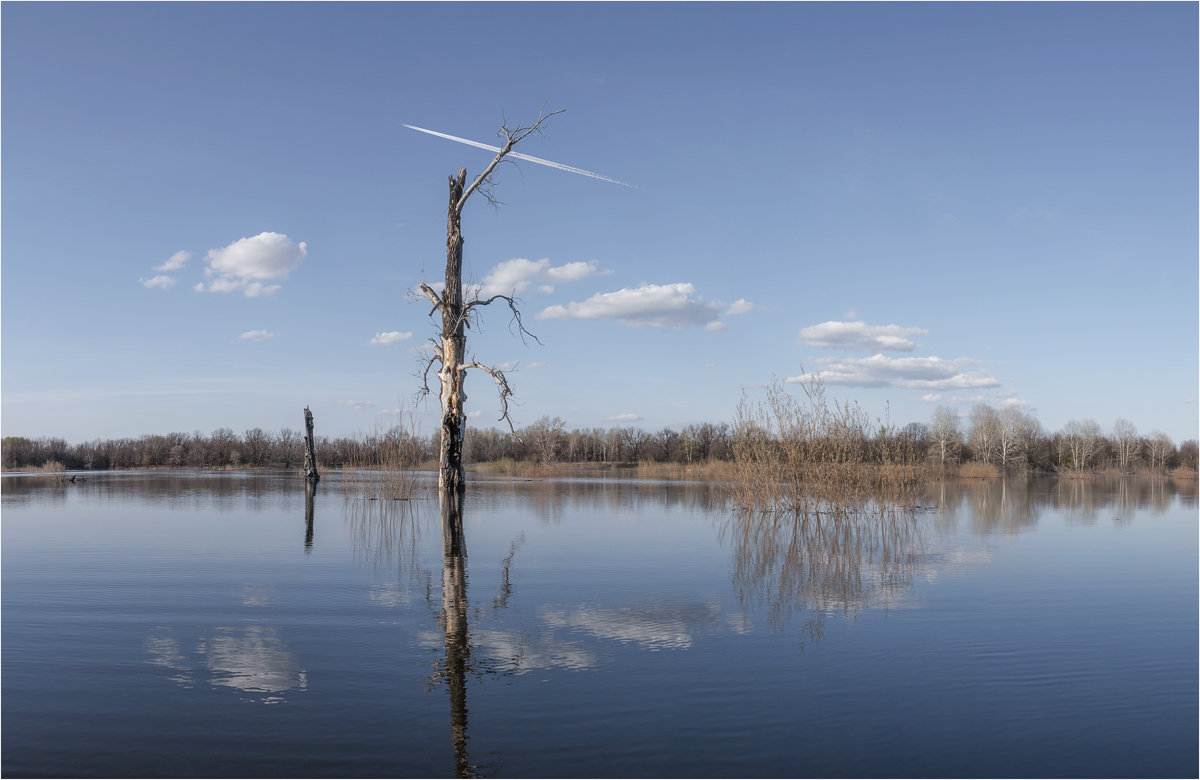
x: 211, y: 211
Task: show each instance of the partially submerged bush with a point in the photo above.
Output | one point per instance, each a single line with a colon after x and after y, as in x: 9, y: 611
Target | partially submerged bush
x: 805, y: 456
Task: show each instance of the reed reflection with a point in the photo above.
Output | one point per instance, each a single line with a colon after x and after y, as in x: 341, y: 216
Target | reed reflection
x: 843, y: 559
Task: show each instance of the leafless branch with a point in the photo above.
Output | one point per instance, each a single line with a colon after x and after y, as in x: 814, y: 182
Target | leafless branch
x: 512, y: 137
x: 501, y: 385
x: 425, y: 374
x: 512, y: 305
x: 432, y: 295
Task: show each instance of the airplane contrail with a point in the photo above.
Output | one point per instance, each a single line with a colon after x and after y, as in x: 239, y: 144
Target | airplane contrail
x: 526, y: 157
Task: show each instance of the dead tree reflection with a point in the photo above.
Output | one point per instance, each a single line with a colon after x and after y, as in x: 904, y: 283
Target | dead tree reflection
x: 310, y: 494
x: 840, y: 560
x: 388, y: 536
x: 454, y: 626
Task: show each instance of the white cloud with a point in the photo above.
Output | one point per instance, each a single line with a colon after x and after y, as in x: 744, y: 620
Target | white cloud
x: 740, y: 306
x: 515, y: 276
x: 859, y: 335
x: 1017, y: 402
x: 914, y: 373
x: 620, y: 418
x: 389, y: 337
x: 717, y: 325
x: 357, y: 405
x: 163, y: 281
x: 175, y: 261
x: 249, y: 262
x: 931, y: 398
x: 257, y: 335
x: 651, y: 306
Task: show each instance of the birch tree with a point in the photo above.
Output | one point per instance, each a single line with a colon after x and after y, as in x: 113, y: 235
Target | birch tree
x: 459, y: 310
x: 1017, y: 432
x: 946, y: 436
x: 984, y: 437
x: 1125, y: 439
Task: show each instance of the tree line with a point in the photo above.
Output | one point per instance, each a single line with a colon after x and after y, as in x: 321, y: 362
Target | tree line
x: 1007, y: 440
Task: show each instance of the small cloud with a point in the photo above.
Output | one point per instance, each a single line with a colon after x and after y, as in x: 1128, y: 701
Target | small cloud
x: 357, y: 405
x: 162, y: 281
x: 249, y: 262
x: 537, y: 365
x: 515, y: 276
x: 257, y: 335
x: 475, y: 414
x: 913, y: 373
x: 175, y: 261
x: 859, y: 335
x: 710, y: 365
x: 1016, y: 402
x: 650, y: 306
x: 389, y: 337
x: 850, y: 314
x: 931, y: 398
x: 740, y: 306
x: 392, y: 412
x: 715, y: 326
x: 624, y: 418
x: 967, y: 399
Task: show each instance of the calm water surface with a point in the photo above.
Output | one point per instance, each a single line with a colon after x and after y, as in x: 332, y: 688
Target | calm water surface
x: 218, y: 624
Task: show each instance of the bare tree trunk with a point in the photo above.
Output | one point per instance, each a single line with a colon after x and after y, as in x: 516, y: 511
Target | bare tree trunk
x: 452, y: 375
x: 310, y: 452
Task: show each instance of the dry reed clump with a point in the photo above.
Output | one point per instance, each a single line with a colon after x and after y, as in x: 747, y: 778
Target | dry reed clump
x: 706, y: 471
x: 1183, y: 473
x: 51, y: 467
x: 389, y: 472
x: 975, y: 470
x: 508, y: 467
x: 808, y: 456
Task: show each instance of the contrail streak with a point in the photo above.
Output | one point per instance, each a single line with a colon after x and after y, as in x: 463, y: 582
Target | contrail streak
x: 526, y: 157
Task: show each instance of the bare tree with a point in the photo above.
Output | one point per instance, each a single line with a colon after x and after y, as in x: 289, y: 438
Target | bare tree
x: 945, y: 434
x: 985, y: 433
x: 1017, y: 432
x: 1125, y: 439
x: 1083, y: 439
x: 450, y: 350
x: 1159, y: 448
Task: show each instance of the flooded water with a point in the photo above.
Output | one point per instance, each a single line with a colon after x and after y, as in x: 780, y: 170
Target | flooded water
x: 218, y: 624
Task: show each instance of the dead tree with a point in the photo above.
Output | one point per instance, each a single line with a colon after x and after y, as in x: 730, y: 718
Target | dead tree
x: 310, y: 453
x: 450, y: 350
